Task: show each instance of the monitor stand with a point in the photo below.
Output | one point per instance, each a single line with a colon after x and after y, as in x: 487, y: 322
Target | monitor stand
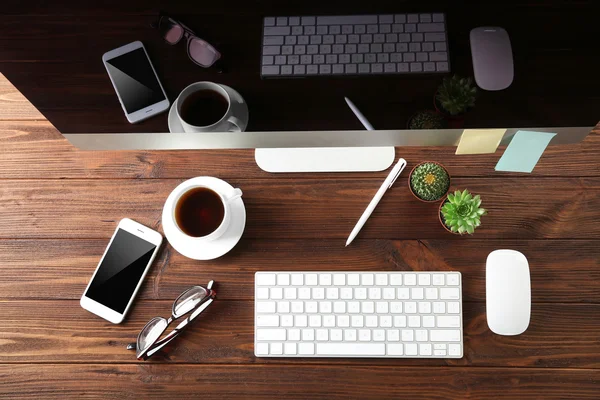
x: 325, y: 159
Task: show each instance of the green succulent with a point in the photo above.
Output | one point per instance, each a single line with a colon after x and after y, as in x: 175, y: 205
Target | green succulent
x: 462, y: 211
x: 456, y: 95
x: 430, y: 181
x: 427, y: 120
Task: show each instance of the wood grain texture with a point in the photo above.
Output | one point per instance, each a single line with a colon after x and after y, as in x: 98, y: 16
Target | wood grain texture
x: 60, y: 269
x: 36, y: 149
x: 559, y: 336
x: 273, y: 382
x: 14, y: 106
x: 523, y: 208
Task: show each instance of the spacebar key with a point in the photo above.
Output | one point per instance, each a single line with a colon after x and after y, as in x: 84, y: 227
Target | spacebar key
x: 351, y: 349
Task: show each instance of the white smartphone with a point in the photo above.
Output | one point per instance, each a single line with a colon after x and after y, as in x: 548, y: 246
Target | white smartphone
x: 132, y: 75
x: 121, y: 271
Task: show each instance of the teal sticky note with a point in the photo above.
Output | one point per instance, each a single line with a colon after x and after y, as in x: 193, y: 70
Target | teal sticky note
x: 524, y: 151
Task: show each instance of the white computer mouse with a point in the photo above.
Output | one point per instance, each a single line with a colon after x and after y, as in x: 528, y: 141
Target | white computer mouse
x: 492, y: 57
x: 508, y: 292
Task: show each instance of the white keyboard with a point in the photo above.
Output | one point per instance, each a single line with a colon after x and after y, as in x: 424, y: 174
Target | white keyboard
x: 358, y: 314
x: 355, y: 45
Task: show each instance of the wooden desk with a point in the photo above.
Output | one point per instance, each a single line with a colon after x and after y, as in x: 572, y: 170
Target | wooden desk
x: 51, y: 51
x: 59, y: 206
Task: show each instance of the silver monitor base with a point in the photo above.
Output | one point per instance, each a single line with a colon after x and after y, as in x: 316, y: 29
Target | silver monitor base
x: 325, y: 159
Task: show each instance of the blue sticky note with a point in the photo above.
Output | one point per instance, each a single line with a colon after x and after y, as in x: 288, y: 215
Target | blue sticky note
x: 524, y: 151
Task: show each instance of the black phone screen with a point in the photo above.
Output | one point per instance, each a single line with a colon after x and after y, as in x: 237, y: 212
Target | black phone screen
x: 135, y: 80
x: 120, y: 271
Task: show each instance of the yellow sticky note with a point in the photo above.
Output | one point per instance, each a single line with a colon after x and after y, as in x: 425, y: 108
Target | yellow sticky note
x: 479, y: 141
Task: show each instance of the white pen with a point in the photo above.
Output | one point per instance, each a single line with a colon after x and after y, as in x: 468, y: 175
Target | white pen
x: 359, y: 115
x: 387, y: 183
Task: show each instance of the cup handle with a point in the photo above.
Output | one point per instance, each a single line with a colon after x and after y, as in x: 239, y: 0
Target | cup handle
x: 237, y: 124
x: 235, y: 194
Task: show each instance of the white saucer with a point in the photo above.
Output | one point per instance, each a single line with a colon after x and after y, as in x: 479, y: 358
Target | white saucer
x: 174, y: 122
x: 205, y: 251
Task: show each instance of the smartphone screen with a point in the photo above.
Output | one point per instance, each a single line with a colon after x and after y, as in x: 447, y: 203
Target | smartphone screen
x: 120, y: 271
x: 135, y: 80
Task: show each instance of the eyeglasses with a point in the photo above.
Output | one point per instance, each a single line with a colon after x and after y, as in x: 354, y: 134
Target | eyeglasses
x: 194, y: 300
x: 200, y: 51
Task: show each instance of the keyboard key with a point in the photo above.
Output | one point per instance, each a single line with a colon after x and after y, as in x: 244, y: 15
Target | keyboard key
x: 400, y: 321
x: 453, y: 307
x: 335, y: 29
x: 299, y: 69
x: 360, y: 29
x: 297, y: 30
x: 287, y: 320
x: 351, y: 349
x: 449, y: 293
x: 412, y: 18
x: 301, y: 320
x: 316, y: 39
x: 312, y: 69
x: 410, y: 349
x: 421, y: 57
x: 396, y: 307
x: 341, y: 39
x: 398, y: 28
x: 262, y: 293
x: 311, y: 307
x: 297, y: 279
x: 431, y: 293
x: 325, y: 307
x: 311, y: 280
x: 388, y: 292
x: 400, y: 18
x: 303, y: 39
x: 322, y: 335
x: 452, y: 279
x: 329, y: 321
x: 339, y: 279
x: 300, y: 49
x: 414, y: 321
x: 353, y: 39
x: 448, y: 321
x: 435, y: 37
x: 308, y: 334
x: 266, y: 307
x: 432, y: 27
x: 269, y: 21
x: 385, y: 28
x: 273, y: 40
x: 438, y: 18
x: 448, y: 335
x: 385, y: 321
x: 294, y: 334
x: 396, y: 349
x: 410, y: 279
x: 346, y: 293
x: 368, y: 307
x: 267, y: 320
x: 347, y: 29
x: 350, y: 68
x: 319, y: 59
x: 353, y: 307
x: 378, y: 335
x: 282, y: 21
x: 409, y: 28
x: 421, y: 335
x: 270, y: 334
x: 308, y: 20
x: 277, y: 348
x: 262, y: 348
x: 424, y: 279
x: 318, y: 293
x: 371, y: 321
x: 383, y: 58
x: 414, y: 47
x: 357, y: 321
x: 283, y: 307
x: 408, y: 335
x: 366, y: 38
x: 297, y: 307
x: 439, y: 307
x: 335, y: 335
x: 382, y: 307
x: 338, y: 48
x: 417, y: 294
x: 427, y: 46
x: 364, y: 48
x: 401, y: 47
x: 290, y: 348
x: 265, y: 279
x: 332, y: 293
x: 293, y: 60
x: 294, y: 21
x: 367, y: 279
x: 454, y: 349
x: 364, y: 335
x: 403, y: 293
x: 410, y: 307
x: 276, y: 293
x: 374, y: 293
x: 440, y: 46
x: 442, y: 67
x: 350, y: 335
x: 353, y: 279
x: 328, y: 39
x: 304, y: 293
x: 339, y: 307
x: 379, y: 38
x: 440, y: 56
x: 372, y: 28
x: 360, y: 293
x: 438, y: 279
x: 425, y: 349
x: 424, y: 17
x: 276, y: 30
x: 389, y: 47
x: 309, y: 30
x: 306, y: 348
x: 393, y: 335
x: 280, y: 60
x: 428, y: 321
x: 424, y: 307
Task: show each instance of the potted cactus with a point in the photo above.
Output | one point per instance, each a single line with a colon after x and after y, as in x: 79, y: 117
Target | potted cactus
x: 429, y: 181
x: 461, y: 211
x: 454, y: 97
x: 426, y: 120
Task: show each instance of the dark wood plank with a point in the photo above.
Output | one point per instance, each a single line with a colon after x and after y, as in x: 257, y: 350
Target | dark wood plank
x: 59, y: 269
x: 559, y: 336
x: 526, y: 208
x: 64, y: 78
x: 37, y: 150
x: 272, y: 382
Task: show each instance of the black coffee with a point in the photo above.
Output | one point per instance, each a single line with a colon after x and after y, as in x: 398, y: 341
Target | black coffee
x: 199, y: 212
x: 203, y: 108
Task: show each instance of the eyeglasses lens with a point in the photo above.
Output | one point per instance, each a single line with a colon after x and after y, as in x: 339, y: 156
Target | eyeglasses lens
x: 151, y: 333
x: 189, y: 300
x: 170, y: 30
x: 202, y: 52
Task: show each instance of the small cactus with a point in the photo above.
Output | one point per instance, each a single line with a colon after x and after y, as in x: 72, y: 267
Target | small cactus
x: 462, y: 212
x: 427, y: 120
x: 456, y: 95
x: 429, y: 181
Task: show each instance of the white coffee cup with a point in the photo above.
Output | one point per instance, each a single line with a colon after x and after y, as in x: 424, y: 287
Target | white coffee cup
x: 235, y: 118
x: 226, y: 199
